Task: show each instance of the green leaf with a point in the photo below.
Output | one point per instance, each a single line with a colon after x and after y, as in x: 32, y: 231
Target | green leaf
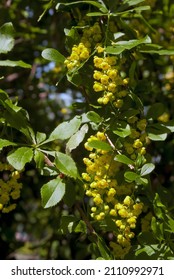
x: 157, y: 201
x: 123, y: 11
x: 3, y: 95
x: 141, y: 181
x: 124, y: 159
x: 74, y: 77
x: 65, y: 130
x: 40, y: 137
x: 157, y: 137
x: 130, y: 113
x: 94, y: 117
x: 132, y: 2
x: 101, y: 7
x: 16, y: 116
x: 155, y: 110
x: 52, y: 192
x: 6, y: 143
x: 81, y: 227
x: 157, y: 228
x: 169, y: 125
x: 104, y: 250
x: 133, y: 43
x: 97, y: 144
x: 137, y: 100
x: 114, y: 50
x: 77, y: 138
x: 120, y: 46
x: 66, y: 165
x: 170, y: 224
x: 118, y: 35
x: 11, y: 63
x: 157, y: 132
x: 132, y: 74
x: 152, y: 50
x: 20, y: 157
x: 147, y: 250
x: 166, y: 52
x: 131, y: 176
x: 147, y: 169
x: 39, y: 159
x: 159, y: 207
x: 121, y: 129
x: 72, y: 37
x: 96, y: 14
x: 6, y: 37
x: 53, y: 55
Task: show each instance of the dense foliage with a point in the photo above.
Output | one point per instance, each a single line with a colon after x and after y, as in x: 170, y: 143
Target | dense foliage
x: 87, y: 129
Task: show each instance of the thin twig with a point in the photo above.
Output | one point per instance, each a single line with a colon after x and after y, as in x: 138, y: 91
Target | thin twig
x: 85, y: 219
x: 48, y: 161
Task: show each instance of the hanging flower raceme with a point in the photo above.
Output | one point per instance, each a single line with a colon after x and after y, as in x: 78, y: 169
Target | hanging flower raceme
x: 81, y: 52
x: 109, y: 198
x: 108, y: 81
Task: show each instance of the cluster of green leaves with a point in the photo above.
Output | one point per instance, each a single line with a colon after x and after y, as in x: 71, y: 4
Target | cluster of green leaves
x: 6, y: 45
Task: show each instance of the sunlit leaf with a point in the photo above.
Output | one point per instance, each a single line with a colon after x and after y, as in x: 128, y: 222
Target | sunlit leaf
x: 81, y: 227
x: 65, y: 130
x: 40, y: 137
x: 132, y: 2
x: 77, y: 138
x: 6, y: 143
x: 94, y: 117
x: 157, y: 132
x: 120, y: 46
x: 104, y: 250
x: 147, y: 169
x: 66, y: 165
x: 11, y: 63
x: 131, y: 176
x: 53, y: 55
x: 52, y: 192
x: 122, y: 129
x: 20, y: 157
x: 39, y: 159
x: 124, y: 159
x: 101, y: 7
x: 6, y: 37
x: 97, y: 144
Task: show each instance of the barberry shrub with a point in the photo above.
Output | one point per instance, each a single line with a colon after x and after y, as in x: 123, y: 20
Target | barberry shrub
x: 119, y: 56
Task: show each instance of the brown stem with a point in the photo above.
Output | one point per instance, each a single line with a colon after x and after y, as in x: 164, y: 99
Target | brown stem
x: 85, y: 219
x: 48, y: 161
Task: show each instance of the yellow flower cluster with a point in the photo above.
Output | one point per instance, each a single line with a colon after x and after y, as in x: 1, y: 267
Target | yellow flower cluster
x: 92, y: 35
x: 9, y: 187
x: 135, y: 143
x: 109, y: 198
x: 81, y: 52
x: 109, y: 81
